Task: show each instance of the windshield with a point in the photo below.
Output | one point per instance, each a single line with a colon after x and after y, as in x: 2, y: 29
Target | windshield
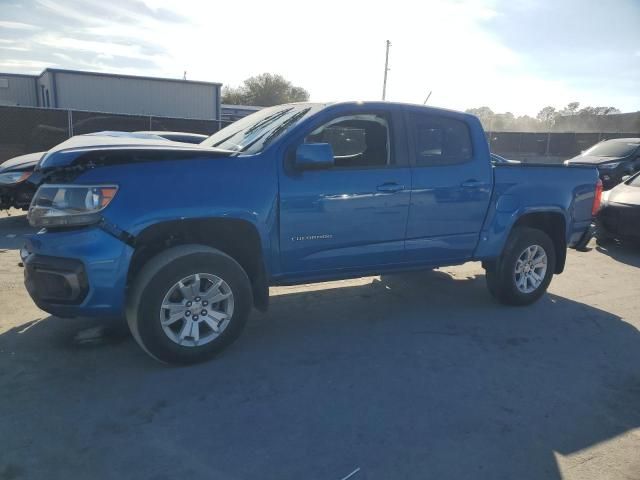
x: 612, y: 149
x: 252, y: 134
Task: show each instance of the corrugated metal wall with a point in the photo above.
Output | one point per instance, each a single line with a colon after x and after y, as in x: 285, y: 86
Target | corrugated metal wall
x: 46, y: 90
x: 140, y: 96
x: 18, y: 90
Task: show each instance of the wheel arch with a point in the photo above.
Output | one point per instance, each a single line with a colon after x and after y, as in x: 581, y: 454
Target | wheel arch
x: 238, y: 238
x: 554, y: 224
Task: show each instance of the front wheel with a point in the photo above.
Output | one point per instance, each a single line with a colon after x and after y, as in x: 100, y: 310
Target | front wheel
x: 188, y: 303
x: 523, y: 272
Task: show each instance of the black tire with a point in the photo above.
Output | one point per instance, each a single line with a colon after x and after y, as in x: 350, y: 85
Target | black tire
x: 500, y: 274
x: 158, y: 276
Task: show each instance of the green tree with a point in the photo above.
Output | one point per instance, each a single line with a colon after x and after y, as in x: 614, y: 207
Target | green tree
x: 264, y: 90
x: 485, y: 114
x: 547, y: 116
x: 598, y: 111
x: 502, y: 122
x: 525, y: 123
x: 570, y: 109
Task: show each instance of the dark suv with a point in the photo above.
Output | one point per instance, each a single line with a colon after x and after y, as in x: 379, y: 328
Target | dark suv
x: 614, y: 159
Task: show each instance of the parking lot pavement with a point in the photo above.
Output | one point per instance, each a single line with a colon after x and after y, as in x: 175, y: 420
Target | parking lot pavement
x: 417, y: 375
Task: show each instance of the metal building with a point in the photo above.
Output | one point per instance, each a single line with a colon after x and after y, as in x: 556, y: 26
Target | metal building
x: 16, y: 89
x: 112, y: 93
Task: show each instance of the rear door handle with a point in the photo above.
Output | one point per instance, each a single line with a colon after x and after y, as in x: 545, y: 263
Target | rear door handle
x: 390, y: 187
x: 473, y: 184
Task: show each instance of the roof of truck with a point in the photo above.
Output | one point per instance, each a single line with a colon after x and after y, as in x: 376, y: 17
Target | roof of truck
x: 382, y: 103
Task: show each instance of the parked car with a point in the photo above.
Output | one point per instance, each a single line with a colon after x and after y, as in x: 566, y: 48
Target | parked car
x: 497, y: 159
x: 614, y: 159
x: 16, y: 190
x: 183, y: 137
x: 619, y: 216
x: 185, y: 240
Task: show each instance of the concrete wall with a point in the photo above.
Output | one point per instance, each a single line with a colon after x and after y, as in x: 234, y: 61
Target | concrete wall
x: 136, y: 95
x: 18, y: 90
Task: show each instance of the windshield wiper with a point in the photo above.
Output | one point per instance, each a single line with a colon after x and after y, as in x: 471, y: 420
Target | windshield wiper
x: 257, y: 126
x: 276, y: 131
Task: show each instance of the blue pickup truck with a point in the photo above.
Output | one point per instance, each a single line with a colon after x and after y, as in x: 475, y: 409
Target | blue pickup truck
x: 184, y: 240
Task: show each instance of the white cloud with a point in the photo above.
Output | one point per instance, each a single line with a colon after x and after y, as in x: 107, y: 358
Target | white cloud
x: 17, y: 25
x: 69, y: 44
x: 59, y: 8
x: 14, y: 48
x: 25, y: 66
x: 335, y: 49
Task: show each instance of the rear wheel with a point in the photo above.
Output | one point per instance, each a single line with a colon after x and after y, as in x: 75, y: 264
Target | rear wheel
x: 523, y: 272
x: 188, y: 303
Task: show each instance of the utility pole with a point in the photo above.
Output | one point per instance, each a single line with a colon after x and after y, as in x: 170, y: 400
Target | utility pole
x: 386, y: 69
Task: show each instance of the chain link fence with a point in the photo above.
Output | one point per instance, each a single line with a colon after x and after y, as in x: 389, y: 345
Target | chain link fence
x: 546, y: 147
x: 26, y: 129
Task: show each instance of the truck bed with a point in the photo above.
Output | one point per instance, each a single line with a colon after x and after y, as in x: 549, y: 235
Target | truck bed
x: 527, y: 188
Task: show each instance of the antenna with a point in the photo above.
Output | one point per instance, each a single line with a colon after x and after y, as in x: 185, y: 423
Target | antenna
x: 386, y: 69
x: 427, y: 99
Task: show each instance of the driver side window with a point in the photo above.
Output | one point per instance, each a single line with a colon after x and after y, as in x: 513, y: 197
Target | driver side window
x: 358, y: 141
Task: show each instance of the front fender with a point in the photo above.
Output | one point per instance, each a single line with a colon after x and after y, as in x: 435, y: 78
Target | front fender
x: 152, y: 193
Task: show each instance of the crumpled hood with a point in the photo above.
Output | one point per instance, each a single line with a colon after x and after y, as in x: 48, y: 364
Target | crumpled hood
x: 626, y: 194
x: 109, y: 149
x: 23, y: 162
x: 594, y: 160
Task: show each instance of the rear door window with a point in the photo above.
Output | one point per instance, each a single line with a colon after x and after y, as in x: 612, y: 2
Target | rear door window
x: 440, y: 141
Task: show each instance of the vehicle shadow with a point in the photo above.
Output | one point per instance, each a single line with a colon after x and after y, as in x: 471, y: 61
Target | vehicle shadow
x: 623, y: 252
x: 416, y: 375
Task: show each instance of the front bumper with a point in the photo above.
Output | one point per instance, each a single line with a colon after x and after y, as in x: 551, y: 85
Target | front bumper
x: 77, y: 273
x: 619, y: 220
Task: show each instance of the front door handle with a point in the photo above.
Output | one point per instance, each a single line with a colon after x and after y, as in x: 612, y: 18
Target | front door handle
x: 473, y: 184
x: 390, y: 187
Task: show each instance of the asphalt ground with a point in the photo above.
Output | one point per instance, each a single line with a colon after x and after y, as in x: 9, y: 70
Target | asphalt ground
x: 407, y: 376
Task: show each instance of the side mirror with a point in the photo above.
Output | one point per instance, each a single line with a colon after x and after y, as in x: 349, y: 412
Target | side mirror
x: 314, y: 156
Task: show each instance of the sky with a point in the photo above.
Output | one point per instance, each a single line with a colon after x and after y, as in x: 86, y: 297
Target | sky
x: 510, y: 55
